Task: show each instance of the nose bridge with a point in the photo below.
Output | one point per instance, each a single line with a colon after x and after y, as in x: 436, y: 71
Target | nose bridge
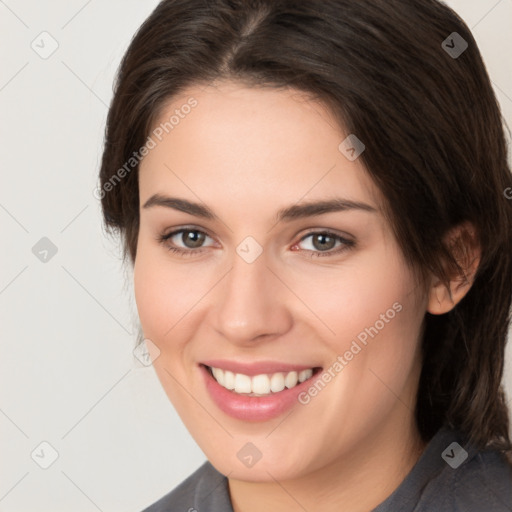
x: 251, y: 301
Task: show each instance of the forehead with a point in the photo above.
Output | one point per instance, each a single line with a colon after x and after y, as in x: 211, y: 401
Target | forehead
x: 257, y: 142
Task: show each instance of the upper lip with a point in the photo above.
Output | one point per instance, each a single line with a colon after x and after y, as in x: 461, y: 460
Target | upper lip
x: 256, y: 367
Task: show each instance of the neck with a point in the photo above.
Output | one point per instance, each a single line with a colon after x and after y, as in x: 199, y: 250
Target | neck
x: 359, y: 481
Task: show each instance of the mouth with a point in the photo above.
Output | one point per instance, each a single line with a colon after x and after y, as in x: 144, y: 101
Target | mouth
x: 263, y: 384
x: 256, y: 391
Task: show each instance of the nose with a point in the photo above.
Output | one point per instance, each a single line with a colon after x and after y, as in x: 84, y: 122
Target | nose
x: 251, y: 303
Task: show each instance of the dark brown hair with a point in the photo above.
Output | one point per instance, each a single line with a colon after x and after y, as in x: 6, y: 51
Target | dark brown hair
x: 435, y: 147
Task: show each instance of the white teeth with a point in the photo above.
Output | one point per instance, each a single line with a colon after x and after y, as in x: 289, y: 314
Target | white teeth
x: 291, y: 380
x: 305, y: 374
x: 242, y: 383
x: 277, y: 382
x: 262, y: 384
x: 219, y: 375
x: 229, y: 380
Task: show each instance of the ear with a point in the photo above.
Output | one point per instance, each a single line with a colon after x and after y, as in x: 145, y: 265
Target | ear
x: 465, y: 247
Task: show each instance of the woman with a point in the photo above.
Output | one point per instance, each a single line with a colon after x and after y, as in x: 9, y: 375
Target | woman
x: 311, y: 195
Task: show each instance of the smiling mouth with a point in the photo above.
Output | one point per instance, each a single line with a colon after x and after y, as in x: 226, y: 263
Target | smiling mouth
x: 265, y: 384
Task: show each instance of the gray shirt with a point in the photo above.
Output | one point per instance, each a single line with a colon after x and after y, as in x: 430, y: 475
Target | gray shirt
x: 450, y: 476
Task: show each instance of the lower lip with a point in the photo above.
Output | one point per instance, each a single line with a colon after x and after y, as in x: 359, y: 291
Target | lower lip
x: 252, y: 408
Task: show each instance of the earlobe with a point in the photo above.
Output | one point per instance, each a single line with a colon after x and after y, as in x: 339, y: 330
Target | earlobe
x: 466, y: 249
x: 439, y: 300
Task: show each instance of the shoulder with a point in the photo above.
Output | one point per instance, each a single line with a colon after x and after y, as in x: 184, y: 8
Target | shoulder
x: 483, y: 483
x: 454, y: 476
x: 206, y: 487
x: 468, y: 479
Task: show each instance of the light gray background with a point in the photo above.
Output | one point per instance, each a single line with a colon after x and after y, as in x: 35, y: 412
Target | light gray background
x: 68, y: 375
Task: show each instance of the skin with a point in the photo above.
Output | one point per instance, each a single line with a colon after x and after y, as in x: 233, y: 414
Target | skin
x: 246, y: 153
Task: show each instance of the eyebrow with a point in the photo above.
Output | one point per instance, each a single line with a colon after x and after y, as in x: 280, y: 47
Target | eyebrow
x: 293, y: 212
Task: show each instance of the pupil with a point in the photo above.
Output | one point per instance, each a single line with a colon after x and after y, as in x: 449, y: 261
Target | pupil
x: 323, y: 239
x: 194, y: 237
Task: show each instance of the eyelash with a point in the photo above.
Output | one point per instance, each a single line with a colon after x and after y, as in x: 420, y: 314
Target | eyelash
x: 347, y: 244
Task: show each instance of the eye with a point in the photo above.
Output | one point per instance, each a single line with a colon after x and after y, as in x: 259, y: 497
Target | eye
x: 322, y: 243
x: 192, y: 240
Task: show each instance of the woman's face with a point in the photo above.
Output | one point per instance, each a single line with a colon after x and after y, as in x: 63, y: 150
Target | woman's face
x: 270, y: 289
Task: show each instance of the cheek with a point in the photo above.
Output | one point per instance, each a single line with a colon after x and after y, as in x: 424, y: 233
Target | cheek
x: 374, y: 315
x: 378, y: 354
x: 170, y: 302
x: 383, y: 316
x: 352, y: 297
x: 149, y: 295
x: 160, y: 292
